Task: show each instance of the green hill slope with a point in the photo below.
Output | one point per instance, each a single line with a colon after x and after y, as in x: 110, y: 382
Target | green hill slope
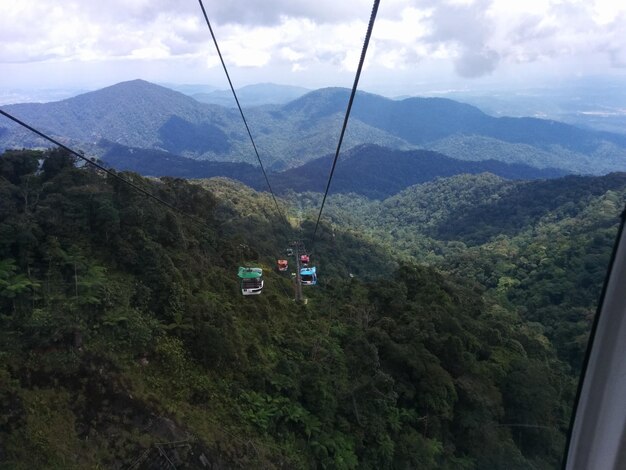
x: 541, y: 247
x: 124, y: 337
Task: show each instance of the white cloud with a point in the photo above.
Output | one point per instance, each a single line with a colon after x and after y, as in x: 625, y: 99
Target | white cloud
x: 272, y: 12
x: 476, y: 37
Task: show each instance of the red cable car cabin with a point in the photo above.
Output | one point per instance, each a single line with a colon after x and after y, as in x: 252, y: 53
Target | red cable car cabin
x: 282, y: 265
x: 304, y: 259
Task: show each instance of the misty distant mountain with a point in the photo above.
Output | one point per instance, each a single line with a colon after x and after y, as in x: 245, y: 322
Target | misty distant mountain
x: 253, y: 95
x: 378, y: 172
x: 135, y: 113
x: 477, y: 148
x: 424, y: 120
x: 369, y: 170
x: 143, y: 115
x: 591, y: 102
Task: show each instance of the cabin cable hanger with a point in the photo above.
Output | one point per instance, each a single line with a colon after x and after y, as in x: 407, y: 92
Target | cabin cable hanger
x: 232, y: 88
x: 103, y: 168
x: 249, y: 285
x: 349, y: 108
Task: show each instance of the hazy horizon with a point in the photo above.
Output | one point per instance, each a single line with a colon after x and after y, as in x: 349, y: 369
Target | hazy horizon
x: 594, y: 102
x: 417, y: 47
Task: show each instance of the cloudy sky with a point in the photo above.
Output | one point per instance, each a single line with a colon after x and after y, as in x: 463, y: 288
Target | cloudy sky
x: 417, y: 45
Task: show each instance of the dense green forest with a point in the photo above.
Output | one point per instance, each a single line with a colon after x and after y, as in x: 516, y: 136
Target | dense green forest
x: 539, y: 247
x: 124, y: 336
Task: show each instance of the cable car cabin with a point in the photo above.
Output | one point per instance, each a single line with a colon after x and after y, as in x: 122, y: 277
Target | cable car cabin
x: 304, y: 259
x: 282, y: 265
x: 289, y: 252
x: 251, y: 280
x: 308, y: 276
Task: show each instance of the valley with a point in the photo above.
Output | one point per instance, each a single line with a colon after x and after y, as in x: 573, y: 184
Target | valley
x: 313, y: 235
x: 446, y: 311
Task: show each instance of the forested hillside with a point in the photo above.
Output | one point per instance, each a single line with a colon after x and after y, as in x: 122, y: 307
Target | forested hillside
x: 541, y: 247
x: 124, y: 336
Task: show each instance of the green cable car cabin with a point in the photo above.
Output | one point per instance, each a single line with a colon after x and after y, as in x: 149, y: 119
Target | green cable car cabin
x: 251, y: 280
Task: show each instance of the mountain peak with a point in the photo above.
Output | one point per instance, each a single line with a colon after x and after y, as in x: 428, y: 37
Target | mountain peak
x: 136, y: 81
x: 133, y: 86
x: 331, y: 100
x: 323, y: 99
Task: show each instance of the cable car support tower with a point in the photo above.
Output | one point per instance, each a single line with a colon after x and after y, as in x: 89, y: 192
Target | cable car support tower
x: 297, y: 247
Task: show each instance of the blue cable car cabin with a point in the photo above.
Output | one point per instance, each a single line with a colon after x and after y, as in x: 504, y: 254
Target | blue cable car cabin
x: 251, y: 280
x: 308, y: 276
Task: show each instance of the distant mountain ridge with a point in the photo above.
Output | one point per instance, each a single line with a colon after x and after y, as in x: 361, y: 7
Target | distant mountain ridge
x: 143, y: 115
x: 253, y: 95
x: 479, y: 209
x: 379, y: 172
x: 159, y: 163
x: 369, y: 170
